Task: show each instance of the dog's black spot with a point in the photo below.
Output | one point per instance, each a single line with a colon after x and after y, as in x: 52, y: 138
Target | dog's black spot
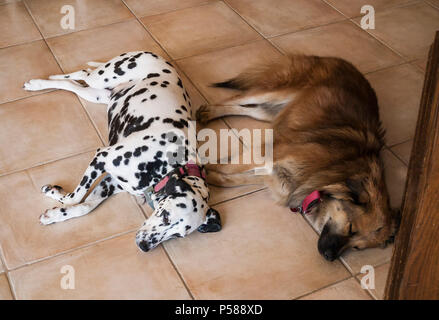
x: 117, y: 161
x: 100, y: 72
x: 84, y: 180
x: 152, y: 75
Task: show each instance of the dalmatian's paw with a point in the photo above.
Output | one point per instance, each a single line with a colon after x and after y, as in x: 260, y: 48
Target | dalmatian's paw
x: 203, y: 114
x: 54, y: 192
x: 53, y: 215
x: 35, y: 85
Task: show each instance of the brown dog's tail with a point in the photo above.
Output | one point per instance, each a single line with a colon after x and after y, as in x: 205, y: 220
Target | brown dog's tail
x: 292, y: 70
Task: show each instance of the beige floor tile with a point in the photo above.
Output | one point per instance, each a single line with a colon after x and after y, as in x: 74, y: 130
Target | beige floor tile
x: 399, y: 95
x: 43, y: 128
x: 113, y: 269
x: 21, y: 63
x: 224, y: 64
x: 409, y: 29
x: 381, y: 273
x: 5, y: 291
x: 372, y: 256
x: 16, y: 25
x: 344, y: 40
x: 352, y: 8
x: 73, y: 51
x: 143, y: 8
x: 197, y: 30
x: 274, y: 17
x: 262, y: 252
x: 87, y: 14
x: 346, y: 290
x: 22, y: 237
x: 396, y: 173
x: 403, y: 151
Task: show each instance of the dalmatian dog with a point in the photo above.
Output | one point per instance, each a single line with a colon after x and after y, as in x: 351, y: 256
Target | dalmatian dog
x: 148, y: 115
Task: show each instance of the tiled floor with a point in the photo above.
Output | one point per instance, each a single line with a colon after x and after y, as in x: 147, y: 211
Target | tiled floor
x: 263, y: 251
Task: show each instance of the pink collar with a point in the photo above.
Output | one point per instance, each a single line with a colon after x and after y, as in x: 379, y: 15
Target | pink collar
x: 189, y: 169
x: 310, y: 201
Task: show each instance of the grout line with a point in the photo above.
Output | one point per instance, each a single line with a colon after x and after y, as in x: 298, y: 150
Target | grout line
x: 387, y: 67
x: 91, y: 28
x: 396, y: 156
x: 237, y: 197
x: 172, y: 10
x: 178, y: 271
x: 33, y: 94
x: 307, y: 28
x: 324, y: 287
x: 11, y: 286
x: 70, y: 155
x: 368, y: 292
x: 21, y: 43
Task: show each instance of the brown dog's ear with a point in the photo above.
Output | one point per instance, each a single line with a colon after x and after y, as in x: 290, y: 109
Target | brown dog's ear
x: 357, y: 191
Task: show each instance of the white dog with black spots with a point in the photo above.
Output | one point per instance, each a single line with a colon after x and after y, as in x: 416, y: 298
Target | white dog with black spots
x: 148, y: 115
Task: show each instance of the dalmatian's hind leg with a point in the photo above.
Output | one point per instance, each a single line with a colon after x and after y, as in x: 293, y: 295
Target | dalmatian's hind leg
x: 87, y: 93
x: 78, y: 75
x: 105, y: 189
x: 93, y: 172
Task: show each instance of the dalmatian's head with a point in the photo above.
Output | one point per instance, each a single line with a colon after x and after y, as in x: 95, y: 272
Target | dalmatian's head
x: 181, y: 209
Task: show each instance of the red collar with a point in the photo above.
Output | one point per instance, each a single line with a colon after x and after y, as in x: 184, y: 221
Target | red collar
x: 310, y: 201
x: 189, y: 169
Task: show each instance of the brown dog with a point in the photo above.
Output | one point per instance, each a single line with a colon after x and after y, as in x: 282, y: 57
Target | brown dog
x: 327, y: 138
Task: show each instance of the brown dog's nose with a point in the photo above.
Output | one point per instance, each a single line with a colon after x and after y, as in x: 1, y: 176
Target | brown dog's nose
x: 329, y: 255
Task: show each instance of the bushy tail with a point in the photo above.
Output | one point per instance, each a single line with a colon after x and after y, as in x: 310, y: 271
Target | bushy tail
x: 268, y: 75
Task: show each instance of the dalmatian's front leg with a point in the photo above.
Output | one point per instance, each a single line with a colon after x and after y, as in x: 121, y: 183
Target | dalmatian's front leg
x: 106, y: 188
x: 93, y: 172
x: 212, y: 223
x: 87, y: 93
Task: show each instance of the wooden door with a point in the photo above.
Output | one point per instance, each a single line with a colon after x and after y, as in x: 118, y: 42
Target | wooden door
x: 414, y: 270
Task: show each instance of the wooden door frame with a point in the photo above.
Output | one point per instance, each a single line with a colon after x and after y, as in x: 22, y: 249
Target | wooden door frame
x: 414, y: 269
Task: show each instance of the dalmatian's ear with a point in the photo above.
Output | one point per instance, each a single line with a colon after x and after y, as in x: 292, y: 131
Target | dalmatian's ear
x: 212, y: 222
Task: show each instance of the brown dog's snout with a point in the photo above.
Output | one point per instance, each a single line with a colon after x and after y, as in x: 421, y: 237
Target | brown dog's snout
x: 330, y: 244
